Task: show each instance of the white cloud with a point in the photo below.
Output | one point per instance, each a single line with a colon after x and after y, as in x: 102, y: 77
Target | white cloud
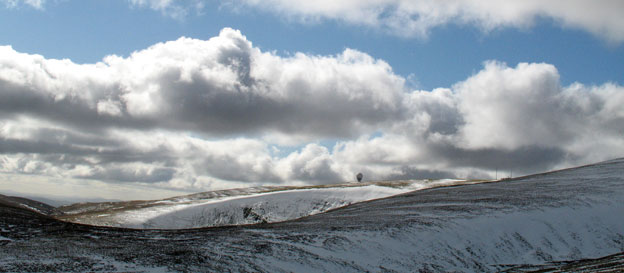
x: 177, y: 9
x: 222, y: 86
x: 410, y: 18
x: 38, y: 4
x: 127, y: 119
x: 502, y: 118
x: 313, y: 164
x: 212, y: 114
x: 508, y: 108
x: 109, y: 107
x: 417, y: 17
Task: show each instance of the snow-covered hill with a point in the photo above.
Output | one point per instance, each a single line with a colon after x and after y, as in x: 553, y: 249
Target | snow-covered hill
x: 514, y: 225
x: 240, y: 206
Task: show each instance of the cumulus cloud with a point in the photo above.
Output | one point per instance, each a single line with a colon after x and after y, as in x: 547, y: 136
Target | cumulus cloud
x: 416, y: 18
x: 516, y: 119
x: 214, y: 114
x: 215, y: 98
x: 508, y: 108
x: 218, y: 87
x: 38, y: 4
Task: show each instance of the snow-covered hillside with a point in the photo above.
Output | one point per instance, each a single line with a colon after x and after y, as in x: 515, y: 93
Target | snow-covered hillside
x: 513, y: 225
x: 240, y: 206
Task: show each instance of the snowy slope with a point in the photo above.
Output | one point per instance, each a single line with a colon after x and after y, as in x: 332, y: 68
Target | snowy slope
x: 240, y: 206
x: 28, y: 204
x: 567, y: 215
x: 513, y: 225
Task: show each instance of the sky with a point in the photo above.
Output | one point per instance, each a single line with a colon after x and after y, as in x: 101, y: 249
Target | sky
x: 142, y: 99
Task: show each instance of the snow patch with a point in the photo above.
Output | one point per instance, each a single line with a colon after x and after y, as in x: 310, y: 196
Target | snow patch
x: 31, y: 208
x: 239, y: 207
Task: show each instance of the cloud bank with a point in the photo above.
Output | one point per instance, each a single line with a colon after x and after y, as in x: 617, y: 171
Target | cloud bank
x: 221, y: 113
x: 416, y: 18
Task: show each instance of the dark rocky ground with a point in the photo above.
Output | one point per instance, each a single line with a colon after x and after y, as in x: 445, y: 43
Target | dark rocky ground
x: 566, y: 221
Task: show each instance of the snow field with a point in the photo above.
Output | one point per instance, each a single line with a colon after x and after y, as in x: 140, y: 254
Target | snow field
x: 269, y: 207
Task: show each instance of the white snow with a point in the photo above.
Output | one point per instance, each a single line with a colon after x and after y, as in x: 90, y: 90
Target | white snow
x: 532, y: 237
x: 561, y: 216
x: 31, y: 208
x: 244, y: 207
x: 591, y: 226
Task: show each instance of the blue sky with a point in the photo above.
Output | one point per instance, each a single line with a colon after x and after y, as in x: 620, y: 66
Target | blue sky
x: 296, y: 92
